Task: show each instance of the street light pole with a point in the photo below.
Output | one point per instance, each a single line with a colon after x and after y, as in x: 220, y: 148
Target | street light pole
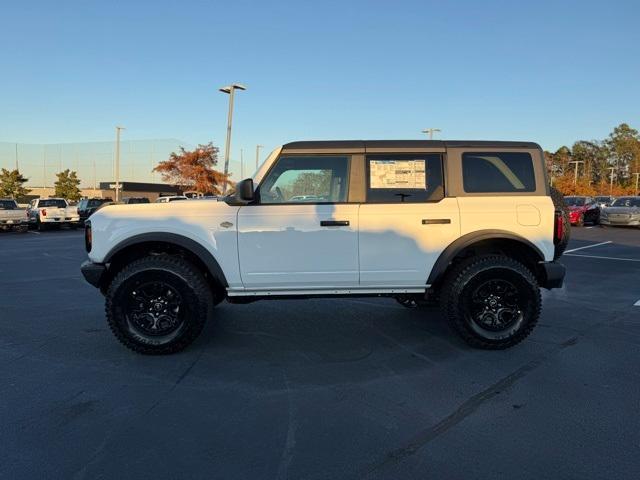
x: 637, y: 174
x: 575, y: 178
x: 118, y: 129
x: 431, y: 131
x: 258, y: 147
x: 230, y: 89
x: 611, y: 184
x: 241, y: 164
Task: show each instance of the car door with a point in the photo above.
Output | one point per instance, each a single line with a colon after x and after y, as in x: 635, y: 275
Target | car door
x: 406, y: 221
x: 301, y: 233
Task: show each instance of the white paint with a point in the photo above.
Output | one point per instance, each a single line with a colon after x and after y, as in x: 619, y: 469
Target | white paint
x: 35, y: 233
x: 588, y: 246
x: 637, y: 304
x: 604, y: 258
x: 587, y: 228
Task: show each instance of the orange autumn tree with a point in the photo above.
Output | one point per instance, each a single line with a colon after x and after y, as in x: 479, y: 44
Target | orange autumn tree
x: 193, y: 170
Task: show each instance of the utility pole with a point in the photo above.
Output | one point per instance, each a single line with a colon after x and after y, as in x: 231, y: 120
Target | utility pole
x: 44, y: 166
x: 241, y: 164
x: 94, y: 176
x: 431, y: 131
x: 230, y: 89
x: 575, y: 178
x: 637, y: 174
x: 611, y: 184
x: 258, y: 147
x: 17, y: 165
x: 118, y: 129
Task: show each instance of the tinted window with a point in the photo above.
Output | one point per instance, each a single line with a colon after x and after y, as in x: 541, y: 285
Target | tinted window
x: 489, y: 172
x: 410, y: 178
x: 51, y: 203
x: 626, y: 202
x: 7, y: 205
x: 575, y: 201
x: 321, y: 179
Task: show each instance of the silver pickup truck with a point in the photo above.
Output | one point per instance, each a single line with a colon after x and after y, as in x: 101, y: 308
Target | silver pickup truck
x: 12, y: 217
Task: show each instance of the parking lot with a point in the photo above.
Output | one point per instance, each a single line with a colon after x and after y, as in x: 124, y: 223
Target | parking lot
x: 319, y: 389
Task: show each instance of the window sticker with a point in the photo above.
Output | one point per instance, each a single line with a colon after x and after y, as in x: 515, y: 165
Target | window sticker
x: 397, y: 174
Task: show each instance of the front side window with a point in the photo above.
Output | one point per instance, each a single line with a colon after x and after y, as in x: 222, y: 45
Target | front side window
x: 409, y: 178
x: 498, y: 172
x: 306, y: 179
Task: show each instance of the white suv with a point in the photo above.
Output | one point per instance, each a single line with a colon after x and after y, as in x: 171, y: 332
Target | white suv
x: 472, y: 224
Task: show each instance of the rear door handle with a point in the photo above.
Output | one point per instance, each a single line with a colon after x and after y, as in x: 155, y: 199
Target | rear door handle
x: 435, y: 221
x: 334, y: 223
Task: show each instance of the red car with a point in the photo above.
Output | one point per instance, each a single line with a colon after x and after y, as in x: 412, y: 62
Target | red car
x: 583, y: 210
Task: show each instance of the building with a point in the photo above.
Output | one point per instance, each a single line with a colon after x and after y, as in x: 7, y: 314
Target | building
x: 127, y: 189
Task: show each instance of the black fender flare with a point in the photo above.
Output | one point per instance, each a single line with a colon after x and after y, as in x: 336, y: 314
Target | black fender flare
x: 455, y: 247
x: 189, y: 244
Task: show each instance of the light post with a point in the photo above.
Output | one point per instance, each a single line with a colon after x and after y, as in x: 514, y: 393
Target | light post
x: 611, y: 184
x: 241, y: 164
x: 258, y: 147
x: 229, y: 89
x: 431, y: 131
x: 118, y: 129
x: 637, y: 174
x: 575, y: 178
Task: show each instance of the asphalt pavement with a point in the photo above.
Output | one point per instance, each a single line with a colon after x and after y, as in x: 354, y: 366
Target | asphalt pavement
x: 319, y: 389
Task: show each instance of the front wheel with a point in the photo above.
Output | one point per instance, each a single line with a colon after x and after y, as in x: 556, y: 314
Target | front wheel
x: 492, y: 302
x: 158, y: 304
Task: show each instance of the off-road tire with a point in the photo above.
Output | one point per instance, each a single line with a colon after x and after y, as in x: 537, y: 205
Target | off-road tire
x: 181, y: 275
x: 464, y: 277
x: 561, y: 206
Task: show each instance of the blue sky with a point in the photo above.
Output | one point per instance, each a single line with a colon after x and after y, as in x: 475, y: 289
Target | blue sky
x: 551, y: 72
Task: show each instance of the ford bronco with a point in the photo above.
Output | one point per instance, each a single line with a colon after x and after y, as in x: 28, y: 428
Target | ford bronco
x: 473, y: 225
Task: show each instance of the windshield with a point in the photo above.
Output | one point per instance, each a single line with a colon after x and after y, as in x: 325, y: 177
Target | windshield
x: 52, y: 203
x: 176, y: 199
x: 626, y: 202
x: 603, y: 199
x: 95, y: 202
x: 574, y: 201
x: 7, y: 205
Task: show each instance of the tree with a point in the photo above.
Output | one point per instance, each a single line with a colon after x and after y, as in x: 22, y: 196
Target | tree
x: 595, y: 158
x: 11, y: 184
x: 193, y: 170
x: 624, y: 147
x: 67, y: 185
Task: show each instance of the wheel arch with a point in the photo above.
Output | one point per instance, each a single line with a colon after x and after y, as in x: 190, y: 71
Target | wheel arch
x: 488, y: 241
x: 155, y: 243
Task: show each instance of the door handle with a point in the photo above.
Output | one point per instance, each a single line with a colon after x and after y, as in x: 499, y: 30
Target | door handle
x: 435, y: 221
x: 334, y: 223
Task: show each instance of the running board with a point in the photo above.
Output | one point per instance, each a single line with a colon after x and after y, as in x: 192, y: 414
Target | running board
x: 277, y: 292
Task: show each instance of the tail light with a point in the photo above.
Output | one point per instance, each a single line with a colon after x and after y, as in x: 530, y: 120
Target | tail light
x: 44, y: 212
x: 558, y: 227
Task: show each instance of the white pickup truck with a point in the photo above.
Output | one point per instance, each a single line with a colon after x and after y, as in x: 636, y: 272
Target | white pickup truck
x: 472, y: 224
x: 12, y: 217
x: 45, y: 212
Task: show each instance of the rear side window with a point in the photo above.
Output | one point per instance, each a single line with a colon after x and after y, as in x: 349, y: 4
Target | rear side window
x: 408, y: 178
x: 498, y: 172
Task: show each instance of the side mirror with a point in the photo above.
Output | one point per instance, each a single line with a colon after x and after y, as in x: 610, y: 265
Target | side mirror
x: 244, y: 191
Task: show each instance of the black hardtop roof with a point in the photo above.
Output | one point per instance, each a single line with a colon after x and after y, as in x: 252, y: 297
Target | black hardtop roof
x: 312, y: 144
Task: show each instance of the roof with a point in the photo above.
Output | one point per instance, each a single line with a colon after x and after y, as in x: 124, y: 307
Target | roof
x: 142, y: 187
x: 339, y: 144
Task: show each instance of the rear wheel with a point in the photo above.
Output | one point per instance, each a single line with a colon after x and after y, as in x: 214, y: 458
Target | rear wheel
x: 158, y: 304
x: 40, y: 225
x: 492, y: 302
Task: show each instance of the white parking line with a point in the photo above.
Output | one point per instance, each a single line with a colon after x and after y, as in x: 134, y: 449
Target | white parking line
x: 637, y: 304
x: 35, y: 233
x: 587, y: 228
x: 588, y: 246
x: 604, y: 258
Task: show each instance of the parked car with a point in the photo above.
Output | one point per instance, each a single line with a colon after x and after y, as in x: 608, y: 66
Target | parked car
x: 135, y: 200
x: 172, y: 198
x: 473, y: 224
x: 88, y: 206
x: 604, y: 200
x: 624, y: 211
x: 582, y: 210
x: 12, y: 217
x: 45, y: 212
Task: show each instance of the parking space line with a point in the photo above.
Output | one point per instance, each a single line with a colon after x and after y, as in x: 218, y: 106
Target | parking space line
x: 588, y: 246
x: 35, y: 233
x: 637, y: 304
x: 604, y: 258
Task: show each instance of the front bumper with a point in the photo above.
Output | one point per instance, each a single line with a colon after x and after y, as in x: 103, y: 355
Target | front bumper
x: 93, y: 272
x: 631, y: 222
x: 553, y: 274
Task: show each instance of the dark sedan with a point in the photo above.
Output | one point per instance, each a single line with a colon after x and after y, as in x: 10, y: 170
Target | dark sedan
x: 88, y: 206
